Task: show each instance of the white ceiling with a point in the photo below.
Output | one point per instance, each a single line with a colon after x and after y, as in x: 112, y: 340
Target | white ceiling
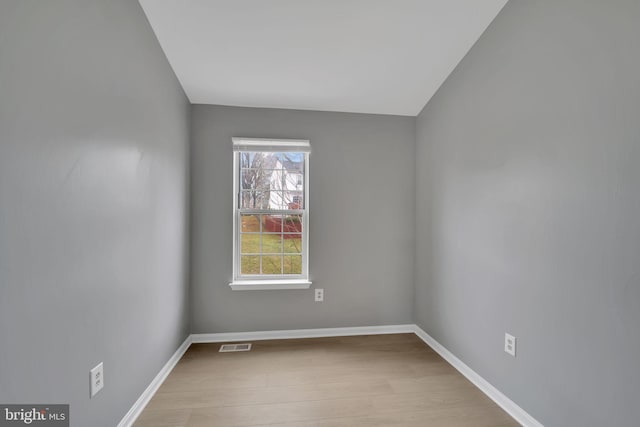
x: 366, y: 56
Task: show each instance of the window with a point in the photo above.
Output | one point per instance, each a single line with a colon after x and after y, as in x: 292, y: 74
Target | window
x: 271, y: 200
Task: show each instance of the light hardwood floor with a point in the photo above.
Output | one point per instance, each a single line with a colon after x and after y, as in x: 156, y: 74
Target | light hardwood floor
x: 374, y: 380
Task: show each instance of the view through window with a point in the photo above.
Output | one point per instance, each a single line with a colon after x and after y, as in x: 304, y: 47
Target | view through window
x: 271, y: 212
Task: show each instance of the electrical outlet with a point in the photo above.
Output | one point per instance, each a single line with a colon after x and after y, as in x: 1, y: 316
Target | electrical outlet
x: 319, y: 294
x: 97, y: 379
x: 510, y: 344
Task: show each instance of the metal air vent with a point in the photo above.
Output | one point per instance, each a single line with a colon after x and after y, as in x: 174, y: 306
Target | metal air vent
x: 225, y: 348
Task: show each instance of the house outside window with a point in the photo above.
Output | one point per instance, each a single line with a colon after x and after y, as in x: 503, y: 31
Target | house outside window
x: 271, y: 217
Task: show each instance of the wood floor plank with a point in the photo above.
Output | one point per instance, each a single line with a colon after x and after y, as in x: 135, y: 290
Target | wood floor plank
x: 477, y: 416
x: 377, y: 380
x: 232, y: 416
x: 240, y: 397
x: 430, y: 382
x: 163, y: 418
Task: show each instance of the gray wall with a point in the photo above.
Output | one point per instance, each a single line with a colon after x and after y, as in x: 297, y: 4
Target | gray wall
x: 528, y: 210
x: 361, y: 217
x: 94, y: 132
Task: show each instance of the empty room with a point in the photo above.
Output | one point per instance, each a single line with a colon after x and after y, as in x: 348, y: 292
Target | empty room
x: 319, y: 213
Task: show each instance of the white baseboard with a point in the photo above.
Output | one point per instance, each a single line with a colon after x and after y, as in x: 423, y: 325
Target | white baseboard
x: 302, y: 333
x: 519, y: 414
x: 146, y: 395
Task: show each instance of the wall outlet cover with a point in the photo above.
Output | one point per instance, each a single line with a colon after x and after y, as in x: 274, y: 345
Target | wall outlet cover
x: 97, y: 379
x: 510, y: 344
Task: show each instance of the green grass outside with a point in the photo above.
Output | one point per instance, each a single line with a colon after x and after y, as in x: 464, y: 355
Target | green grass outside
x: 286, y: 258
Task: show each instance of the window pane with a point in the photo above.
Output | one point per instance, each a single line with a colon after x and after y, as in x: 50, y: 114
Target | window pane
x: 271, y: 243
x: 250, y: 223
x: 250, y: 265
x: 277, y: 200
x: 254, y: 179
x: 253, y: 159
x: 292, y: 224
x: 254, y: 199
x: 287, y: 199
x: 272, y: 223
x: 251, y: 179
x: 250, y: 243
x: 296, y: 200
x: 291, y: 161
x: 272, y: 264
x: 293, y: 243
x: 292, y: 264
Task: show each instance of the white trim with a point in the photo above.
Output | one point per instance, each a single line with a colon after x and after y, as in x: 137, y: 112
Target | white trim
x: 302, y: 333
x: 519, y: 414
x: 245, y: 144
x: 268, y: 285
x: 137, y: 408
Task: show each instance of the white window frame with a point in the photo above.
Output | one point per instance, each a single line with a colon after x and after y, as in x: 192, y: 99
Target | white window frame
x: 268, y: 282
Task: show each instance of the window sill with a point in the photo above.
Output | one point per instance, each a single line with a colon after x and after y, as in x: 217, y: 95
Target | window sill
x: 267, y: 285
